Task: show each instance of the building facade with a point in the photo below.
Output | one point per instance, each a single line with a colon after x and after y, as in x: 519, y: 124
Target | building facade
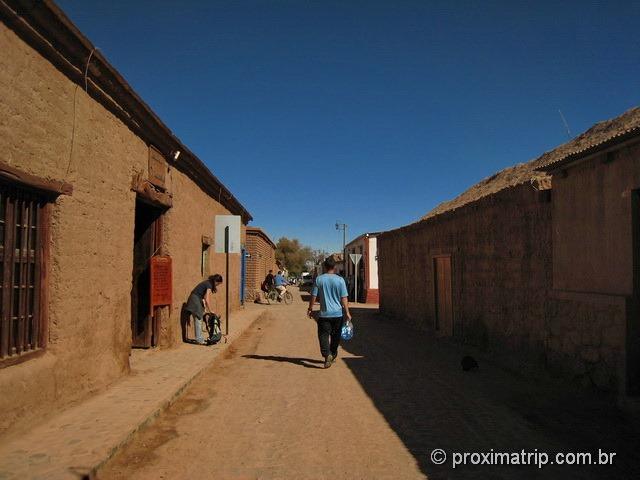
x: 106, y: 219
x: 535, y: 263
x: 367, y: 285
x: 596, y: 257
x: 260, y: 259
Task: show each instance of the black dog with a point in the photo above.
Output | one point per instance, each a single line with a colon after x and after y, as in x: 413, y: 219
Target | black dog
x: 469, y: 363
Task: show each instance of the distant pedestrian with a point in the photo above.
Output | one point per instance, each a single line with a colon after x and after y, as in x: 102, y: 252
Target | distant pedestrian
x: 331, y: 290
x: 200, y: 302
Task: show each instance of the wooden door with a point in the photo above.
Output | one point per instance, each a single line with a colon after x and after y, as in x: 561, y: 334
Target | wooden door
x: 443, y: 298
x: 147, y: 239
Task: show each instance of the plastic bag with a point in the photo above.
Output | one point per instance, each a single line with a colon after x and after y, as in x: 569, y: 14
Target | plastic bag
x: 347, y: 330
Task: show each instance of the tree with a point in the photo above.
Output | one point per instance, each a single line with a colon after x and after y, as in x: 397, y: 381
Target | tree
x: 293, y: 255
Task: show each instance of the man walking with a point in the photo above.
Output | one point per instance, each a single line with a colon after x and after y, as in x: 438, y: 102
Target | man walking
x: 332, y: 292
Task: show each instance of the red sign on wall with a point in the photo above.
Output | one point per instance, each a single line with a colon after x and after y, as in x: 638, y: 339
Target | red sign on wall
x: 161, y: 281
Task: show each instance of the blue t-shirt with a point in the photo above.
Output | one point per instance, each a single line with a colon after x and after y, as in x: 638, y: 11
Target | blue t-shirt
x: 280, y: 281
x: 330, y: 288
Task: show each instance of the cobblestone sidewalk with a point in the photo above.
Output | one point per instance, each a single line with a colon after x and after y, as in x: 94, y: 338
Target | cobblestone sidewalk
x: 74, y: 443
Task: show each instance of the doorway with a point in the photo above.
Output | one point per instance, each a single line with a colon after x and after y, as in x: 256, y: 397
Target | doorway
x: 147, y: 240
x: 442, y: 295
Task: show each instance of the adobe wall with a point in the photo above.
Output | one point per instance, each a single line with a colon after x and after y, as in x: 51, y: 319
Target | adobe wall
x: 91, y: 231
x: 50, y: 128
x: 593, y: 220
x: 263, y: 259
x: 593, y: 269
x: 586, y: 338
x: 502, y: 292
x: 501, y: 269
x: 192, y: 216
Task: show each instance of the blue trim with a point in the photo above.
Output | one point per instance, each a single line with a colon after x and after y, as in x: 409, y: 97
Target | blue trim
x: 243, y: 269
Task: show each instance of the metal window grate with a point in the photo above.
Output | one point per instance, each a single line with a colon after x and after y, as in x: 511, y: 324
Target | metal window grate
x: 20, y: 266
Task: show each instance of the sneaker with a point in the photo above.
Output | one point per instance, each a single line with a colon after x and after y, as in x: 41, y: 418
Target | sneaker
x: 328, y: 360
x: 334, y: 357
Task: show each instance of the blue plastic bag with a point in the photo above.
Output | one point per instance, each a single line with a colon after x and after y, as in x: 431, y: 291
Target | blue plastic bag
x: 347, y: 330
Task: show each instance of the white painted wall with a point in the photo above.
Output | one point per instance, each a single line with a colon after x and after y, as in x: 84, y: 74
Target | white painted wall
x: 373, y: 263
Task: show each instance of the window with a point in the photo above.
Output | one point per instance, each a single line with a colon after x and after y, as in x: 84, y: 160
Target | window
x: 204, y: 264
x: 22, y: 238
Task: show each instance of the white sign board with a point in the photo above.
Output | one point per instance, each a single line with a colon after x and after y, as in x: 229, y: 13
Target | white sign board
x: 233, y: 222
x: 355, y: 257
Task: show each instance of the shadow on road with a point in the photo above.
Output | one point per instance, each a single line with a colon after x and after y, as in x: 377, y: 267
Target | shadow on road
x: 303, y: 362
x: 417, y: 384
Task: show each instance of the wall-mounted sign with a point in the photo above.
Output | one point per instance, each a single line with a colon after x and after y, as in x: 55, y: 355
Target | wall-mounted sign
x: 157, y: 168
x: 161, y: 281
x: 233, y: 222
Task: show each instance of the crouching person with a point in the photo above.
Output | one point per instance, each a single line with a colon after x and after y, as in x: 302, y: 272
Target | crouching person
x: 200, y: 302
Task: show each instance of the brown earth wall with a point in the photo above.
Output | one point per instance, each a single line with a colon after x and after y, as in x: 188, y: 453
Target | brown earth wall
x: 503, y: 300
x: 263, y: 259
x: 595, y: 212
x: 91, y: 232
x: 501, y: 269
x: 192, y: 216
x: 50, y: 128
x: 586, y: 338
x: 592, y: 214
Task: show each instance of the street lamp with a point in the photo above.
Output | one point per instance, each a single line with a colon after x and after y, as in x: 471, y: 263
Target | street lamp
x: 343, y: 227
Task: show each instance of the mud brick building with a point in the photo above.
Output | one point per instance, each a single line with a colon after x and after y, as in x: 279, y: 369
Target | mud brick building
x: 94, y: 190
x: 260, y: 259
x: 365, y: 245
x: 545, y: 275
x: 594, y: 322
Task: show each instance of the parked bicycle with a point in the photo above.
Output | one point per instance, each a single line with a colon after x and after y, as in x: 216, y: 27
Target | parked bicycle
x: 272, y: 296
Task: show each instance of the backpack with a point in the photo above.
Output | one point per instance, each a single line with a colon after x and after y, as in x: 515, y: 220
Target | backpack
x: 263, y: 287
x: 212, y: 321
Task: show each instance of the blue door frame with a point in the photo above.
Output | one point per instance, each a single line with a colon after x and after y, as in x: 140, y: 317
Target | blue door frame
x: 243, y: 269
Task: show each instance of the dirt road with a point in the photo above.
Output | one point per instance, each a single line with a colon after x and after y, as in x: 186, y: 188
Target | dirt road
x: 268, y: 410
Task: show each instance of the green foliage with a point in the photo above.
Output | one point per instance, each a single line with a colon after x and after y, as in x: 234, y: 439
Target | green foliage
x: 292, y: 255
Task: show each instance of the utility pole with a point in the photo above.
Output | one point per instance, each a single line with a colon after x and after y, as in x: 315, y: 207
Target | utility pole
x: 343, y: 227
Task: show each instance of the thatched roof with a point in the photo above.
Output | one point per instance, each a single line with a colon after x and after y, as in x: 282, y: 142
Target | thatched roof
x: 534, y: 172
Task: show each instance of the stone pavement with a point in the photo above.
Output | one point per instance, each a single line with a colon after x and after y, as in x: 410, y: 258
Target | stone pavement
x: 75, y: 442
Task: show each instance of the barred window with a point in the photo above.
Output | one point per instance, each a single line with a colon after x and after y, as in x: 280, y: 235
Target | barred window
x: 21, y: 250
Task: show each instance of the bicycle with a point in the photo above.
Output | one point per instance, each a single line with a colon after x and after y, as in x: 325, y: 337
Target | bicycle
x: 272, y: 296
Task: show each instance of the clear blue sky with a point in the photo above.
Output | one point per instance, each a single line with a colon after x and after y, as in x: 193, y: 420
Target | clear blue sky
x: 367, y: 112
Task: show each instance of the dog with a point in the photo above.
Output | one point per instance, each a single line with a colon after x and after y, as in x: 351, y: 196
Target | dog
x: 469, y: 363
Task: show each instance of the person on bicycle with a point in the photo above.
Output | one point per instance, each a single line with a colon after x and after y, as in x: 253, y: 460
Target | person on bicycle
x: 281, y: 284
x: 268, y: 282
